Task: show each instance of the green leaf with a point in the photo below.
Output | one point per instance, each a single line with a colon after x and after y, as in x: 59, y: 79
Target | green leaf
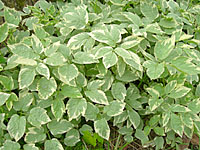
x: 103, y: 51
x: 46, y: 87
x: 26, y: 77
x: 39, y: 31
x: 84, y: 128
x: 163, y: 48
x: 38, y: 116
x: 31, y: 22
x: 119, y: 91
x: 66, y: 51
x: 2, y: 118
x: 154, y: 28
x: 88, y: 138
x: 154, y: 103
x: 120, y: 118
x: 124, y: 130
x: 121, y: 66
x: 159, y: 131
x: 76, y: 107
x: 9, y: 103
x: 72, y: 137
x: 101, y: 127
x: 12, y: 17
x: 176, y: 124
x: 187, y: 120
x: 134, y: 118
x: 154, y: 120
x: 130, y: 42
x: 97, y: 96
x: 10, y: 145
x: 67, y: 72
x: 25, y: 61
x: 89, y: 44
x: 42, y: 69
x: 30, y: 147
x: 42, y: 103
x: 184, y: 64
x: 154, y: 70
x: 76, y: 18
x: 84, y: 58
x: 51, y: 49
x: 128, y: 76
x: 101, y: 68
x: 1, y: 5
x: 35, y: 135
x: 114, y: 108
x: 3, y: 32
x: 70, y: 91
x: 168, y: 22
x: 110, y: 59
x: 159, y: 141
x: 65, y: 30
x: 16, y: 126
x: 128, y: 138
x: 7, y: 82
x: 153, y: 92
x: 95, y: 84
x: 23, y: 50
x: 197, y: 91
x: 194, y: 106
x: 91, y: 112
x: 105, y: 36
x: 123, y: 53
x: 118, y: 2
x: 59, y: 127
x: 78, y: 40
x: 134, y: 61
x: 147, y: 130
x: 134, y: 18
x: 56, y: 59
x: 179, y: 108
x: 44, y: 5
x: 11, y: 62
x: 165, y: 118
x: 37, y: 44
x: 179, y: 92
x: 149, y: 11
x: 24, y: 101
x: 3, y: 98
x: 58, y: 108
x: 141, y: 136
x: 170, y: 86
x: 53, y: 144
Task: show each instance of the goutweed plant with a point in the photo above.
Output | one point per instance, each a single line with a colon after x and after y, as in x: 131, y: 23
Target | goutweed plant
x: 69, y: 71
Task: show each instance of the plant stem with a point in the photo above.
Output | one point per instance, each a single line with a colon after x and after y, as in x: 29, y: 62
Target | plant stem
x: 199, y: 141
x: 124, y: 146
x: 7, y: 47
x: 48, y: 135
x: 117, y: 143
x: 85, y: 144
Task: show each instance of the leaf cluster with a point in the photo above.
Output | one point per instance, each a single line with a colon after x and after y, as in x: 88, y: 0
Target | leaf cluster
x: 69, y: 71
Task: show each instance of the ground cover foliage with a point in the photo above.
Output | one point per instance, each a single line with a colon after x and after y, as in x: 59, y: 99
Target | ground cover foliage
x: 72, y: 71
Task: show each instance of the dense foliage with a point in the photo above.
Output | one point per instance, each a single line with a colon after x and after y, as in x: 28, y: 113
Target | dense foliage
x: 69, y: 71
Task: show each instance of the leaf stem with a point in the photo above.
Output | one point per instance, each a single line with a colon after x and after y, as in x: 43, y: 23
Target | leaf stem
x: 117, y: 143
x: 199, y: 141
x: 48, y: 135
x: 85, y: 144
x: 7, y: 47
x: 124, y: 146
